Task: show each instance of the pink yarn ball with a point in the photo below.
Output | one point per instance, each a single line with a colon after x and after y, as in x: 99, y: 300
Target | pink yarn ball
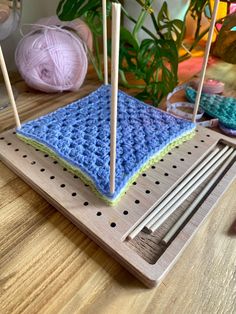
x: 80, y: 27
x: 52, y: 59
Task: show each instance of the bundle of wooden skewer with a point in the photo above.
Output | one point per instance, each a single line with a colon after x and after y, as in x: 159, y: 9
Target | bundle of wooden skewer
x: 217, y: 161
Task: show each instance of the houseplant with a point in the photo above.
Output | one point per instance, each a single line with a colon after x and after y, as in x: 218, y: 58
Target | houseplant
x: 154, y: 60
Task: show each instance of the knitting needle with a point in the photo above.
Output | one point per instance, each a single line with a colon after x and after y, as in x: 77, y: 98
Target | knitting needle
x: 205, y: 59
x: 197, y: 201
x: 187, y: 193
x: 9, y: 89
x: 105, y: 59
x: 116, y: 8
x: 133, y: 234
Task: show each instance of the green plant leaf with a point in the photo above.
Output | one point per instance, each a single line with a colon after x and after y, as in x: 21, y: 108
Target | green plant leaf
x: 154, y: 60
x: 127, y: 37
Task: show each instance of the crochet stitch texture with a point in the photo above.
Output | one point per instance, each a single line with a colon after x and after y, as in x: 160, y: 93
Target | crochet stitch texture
x: 223, y: 108
x: 79, y: 135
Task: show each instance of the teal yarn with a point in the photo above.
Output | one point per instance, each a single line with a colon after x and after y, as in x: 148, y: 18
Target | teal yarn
x: 220, y: 107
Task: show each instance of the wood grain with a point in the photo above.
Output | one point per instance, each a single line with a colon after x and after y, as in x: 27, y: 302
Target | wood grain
x: 48, y: 266
x: 108, y: 226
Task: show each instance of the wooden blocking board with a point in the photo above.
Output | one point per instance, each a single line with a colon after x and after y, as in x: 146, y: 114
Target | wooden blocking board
x: 144, y: 256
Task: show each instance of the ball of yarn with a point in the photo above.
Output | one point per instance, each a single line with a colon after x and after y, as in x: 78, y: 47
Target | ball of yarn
x: 52, y: 59
x: 78, y: 25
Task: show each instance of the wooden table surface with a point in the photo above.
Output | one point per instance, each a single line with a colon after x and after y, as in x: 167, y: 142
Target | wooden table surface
x: 48, y: 266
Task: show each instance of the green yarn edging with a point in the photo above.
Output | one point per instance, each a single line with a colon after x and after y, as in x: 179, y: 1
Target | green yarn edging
x: 87, y: 180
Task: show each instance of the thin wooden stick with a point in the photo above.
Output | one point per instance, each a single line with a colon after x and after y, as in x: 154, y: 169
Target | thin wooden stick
x: 182, y: 184
x: 105, y: 59
x: 116, y: 8
x: 190, y: 191
x: 165, y: 208
x: 205, y: 59
x: 197, y: 201
x: 9, y: 89
x: 136, y: 231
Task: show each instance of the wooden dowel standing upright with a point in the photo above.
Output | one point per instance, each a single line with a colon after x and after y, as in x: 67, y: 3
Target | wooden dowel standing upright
x: 205, y: 59
x: 116, y: 9
x: 105, y: 59
x: 9, y: 89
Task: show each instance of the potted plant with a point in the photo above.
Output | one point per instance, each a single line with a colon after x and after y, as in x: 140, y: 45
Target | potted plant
x: 153, y: 60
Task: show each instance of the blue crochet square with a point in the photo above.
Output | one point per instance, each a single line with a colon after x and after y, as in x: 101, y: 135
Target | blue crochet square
x: 79, y: 134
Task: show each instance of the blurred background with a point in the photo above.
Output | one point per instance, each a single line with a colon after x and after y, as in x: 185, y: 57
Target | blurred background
x: 35, y: 9
x: 32, y: 11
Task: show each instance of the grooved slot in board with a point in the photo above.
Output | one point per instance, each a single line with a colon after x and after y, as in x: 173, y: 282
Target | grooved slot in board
x: 149, y: 245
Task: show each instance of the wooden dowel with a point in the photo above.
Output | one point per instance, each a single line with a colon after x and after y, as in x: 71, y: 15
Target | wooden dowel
x: 205, y: 59
x: 136, y: 231
x: 183, y: 184
x: 105, y: 59
x: 165, y: 208
x: 9, y: 89
x: 187, y: 193
x: 116, y: 8
x: 197, y: 201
